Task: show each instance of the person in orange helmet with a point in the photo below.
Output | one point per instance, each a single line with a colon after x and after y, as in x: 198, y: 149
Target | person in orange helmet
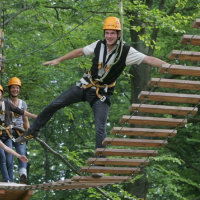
x: 111, y: 56
x: 21, y: 121
x: 6, y: 137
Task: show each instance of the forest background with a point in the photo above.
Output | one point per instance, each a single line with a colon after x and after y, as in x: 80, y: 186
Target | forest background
x: 40, y: 30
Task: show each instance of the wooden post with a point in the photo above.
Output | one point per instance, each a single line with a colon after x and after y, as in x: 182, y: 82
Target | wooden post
x: 2, y: 58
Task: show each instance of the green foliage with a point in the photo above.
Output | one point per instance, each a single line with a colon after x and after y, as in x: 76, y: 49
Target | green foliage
x: 42, y: 33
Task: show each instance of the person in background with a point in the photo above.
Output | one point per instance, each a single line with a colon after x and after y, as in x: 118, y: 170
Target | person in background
x: 6, y: 137
x: 14, y: 88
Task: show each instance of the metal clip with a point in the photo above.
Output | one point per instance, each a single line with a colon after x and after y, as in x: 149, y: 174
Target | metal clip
x: 13, y: 139
x: 106, y: 88
x: 11, y: 126
x: 103, y: 99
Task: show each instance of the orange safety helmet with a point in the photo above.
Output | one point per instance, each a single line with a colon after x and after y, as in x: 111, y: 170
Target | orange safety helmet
x: 112, y: 23
x: 15, y: 81
x: 1, y: 88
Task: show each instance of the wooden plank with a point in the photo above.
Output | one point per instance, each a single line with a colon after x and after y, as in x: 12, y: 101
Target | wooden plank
x: 163, y: 109
x: 196, y: 23
x: 190, y: 40
x: 125, y: 152
x: 51, y: 184
x: 11, y: 194
x: 75, y: 186
x: 170, y: 97
x: 174, y: 83
x: 110, y: 170
x: 102, y: 179
x: 60, y: 182
x: 153, y: 121
x: 81, y: 182
x: 2, y: 192
x: 180, y: 70
x: 121, y: 161
x: 11, y: 185
x: 27, y: 195
x: 146, y: 132
x: 185, y: 55
x: 134, y: 142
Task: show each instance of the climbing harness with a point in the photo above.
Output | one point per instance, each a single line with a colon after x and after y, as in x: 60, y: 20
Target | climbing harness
x: 94, y: 85
x: 15, y: 116
x: 104, y: 63
x: 2, y: 127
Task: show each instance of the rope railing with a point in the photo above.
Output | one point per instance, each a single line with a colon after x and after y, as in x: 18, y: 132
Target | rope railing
x: 152, y: 89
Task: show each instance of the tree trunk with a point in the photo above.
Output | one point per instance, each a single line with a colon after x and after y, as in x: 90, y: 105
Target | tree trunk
x: 140, y: 76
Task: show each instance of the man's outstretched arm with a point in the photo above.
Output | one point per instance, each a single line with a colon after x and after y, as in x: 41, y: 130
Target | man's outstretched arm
x: 153, y: 61
x: 71, y: 55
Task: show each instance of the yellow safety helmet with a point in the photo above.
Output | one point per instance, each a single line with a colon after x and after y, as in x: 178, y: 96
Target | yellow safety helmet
x: 112, y: 23
x: 1, y: 88
x: 15, y: 81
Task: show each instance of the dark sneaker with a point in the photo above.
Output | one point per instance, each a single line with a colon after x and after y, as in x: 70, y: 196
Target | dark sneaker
x: 27, y: 136
x: 97, y: 175
x: 23, y: 179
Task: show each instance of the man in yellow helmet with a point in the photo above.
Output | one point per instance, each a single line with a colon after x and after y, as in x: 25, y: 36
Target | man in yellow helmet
x: 97, y: 85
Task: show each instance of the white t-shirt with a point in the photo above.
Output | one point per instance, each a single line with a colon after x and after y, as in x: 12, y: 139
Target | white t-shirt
x: 133, y: 57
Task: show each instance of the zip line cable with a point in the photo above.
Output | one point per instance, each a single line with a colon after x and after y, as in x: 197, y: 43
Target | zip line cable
x: 62, y: 35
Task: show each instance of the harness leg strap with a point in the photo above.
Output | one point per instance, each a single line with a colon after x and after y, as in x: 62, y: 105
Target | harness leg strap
x: 107, y: 101
x: 84, y: 94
